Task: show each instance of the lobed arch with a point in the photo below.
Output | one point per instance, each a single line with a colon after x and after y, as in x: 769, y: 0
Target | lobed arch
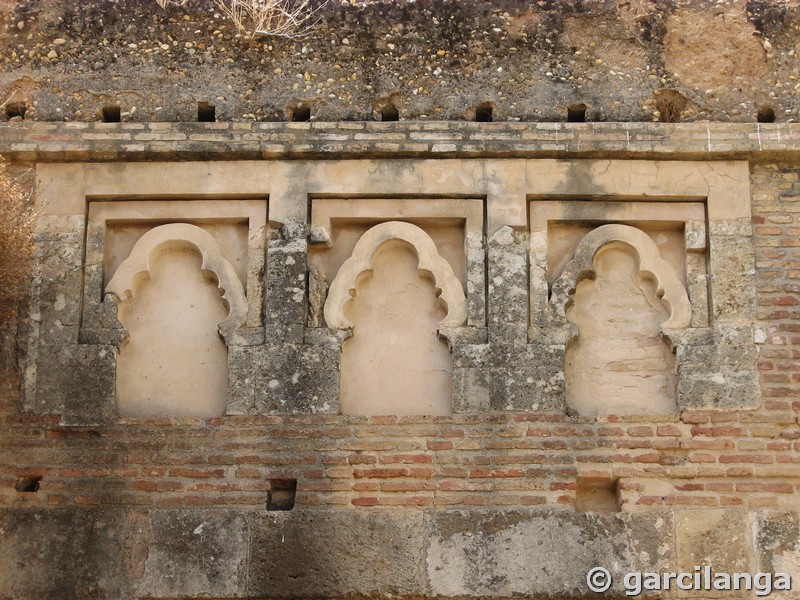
x: 668, y: 287
x: 138, y: 264
x: 447, y: 286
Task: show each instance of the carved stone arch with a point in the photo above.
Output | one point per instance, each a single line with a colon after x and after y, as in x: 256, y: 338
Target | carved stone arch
x: 669, y: 288
x: 139, y: 263
x: 448, y: 288
x: 179, y: 298
x: 619, y: 295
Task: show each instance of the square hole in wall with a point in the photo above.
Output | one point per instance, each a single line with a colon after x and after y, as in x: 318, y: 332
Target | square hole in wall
x: 282, y: 493
x: 596, y: 494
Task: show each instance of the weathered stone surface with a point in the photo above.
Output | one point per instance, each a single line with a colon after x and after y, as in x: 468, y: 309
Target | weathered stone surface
x: 719, y: 373
x: 778, y: 543
x: 242, y: 376
x: 717, y: 537
x: 520, y: 388
x: 324, y: 553
x: 732, y: 266
x: 54, y: 554
x: 195, y: 553
x: 508, y: 277
x: 286, y: 272
x: 291, y: 378
x: 471, y: 390
x: 570, y: 53
x: 80, y: 385
x: 530, y: 553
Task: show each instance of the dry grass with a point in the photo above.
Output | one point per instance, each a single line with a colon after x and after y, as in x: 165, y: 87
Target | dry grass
x: 17, y: 220
x: 281, y: 18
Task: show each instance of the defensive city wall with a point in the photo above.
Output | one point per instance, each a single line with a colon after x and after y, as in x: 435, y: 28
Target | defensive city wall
x: 295, y: 333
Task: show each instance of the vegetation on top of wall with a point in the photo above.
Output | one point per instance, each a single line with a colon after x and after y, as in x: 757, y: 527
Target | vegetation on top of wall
x: 281, y: 18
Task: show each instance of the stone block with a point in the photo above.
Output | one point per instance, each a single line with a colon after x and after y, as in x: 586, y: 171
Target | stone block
x: 79, y: 386
x: 470, y: 390
x: 530, y: 388
x: 195, y: 553
x: 319, y: 553
x: 519, y: 553
x: 778, y: 543
x: 720, y: 538
x: 71, y: 553
x: 289, y: 378
x: 508, y: 277
x: 286, y: 273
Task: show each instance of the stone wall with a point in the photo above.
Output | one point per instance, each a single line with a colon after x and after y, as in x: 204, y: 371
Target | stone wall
x: 515, y: 489
x: 512, y: 494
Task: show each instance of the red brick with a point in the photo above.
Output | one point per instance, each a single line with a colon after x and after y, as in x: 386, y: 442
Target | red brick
x: 777, y: 488
x: 609, y: 431
x: 746, y: 458
x: 186, y: 472
x: 451, y: 486
x: 483, y: 473
x: 365, y: 487
x: 689, y: 500
x: 406, y: 459
x: 476, y: 501
x: 700, y: 457
x: 731, y: 501
x: 690, y: 487
x: 640, y: 431
x: 439, y: 445
x: 695, y: 417
x: 143, y: 486
x: 380, y: 473
x: 668, y: 430
x: 532, y: 500
x: 406, y: 486
x: 362, y: 459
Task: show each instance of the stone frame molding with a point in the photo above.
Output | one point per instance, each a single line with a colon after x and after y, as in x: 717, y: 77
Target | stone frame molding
x: 716, y: 354
x: 506, y: 357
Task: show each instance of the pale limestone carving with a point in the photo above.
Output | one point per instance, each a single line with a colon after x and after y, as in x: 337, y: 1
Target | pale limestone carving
x: 618, y: 363
x: 621, y: 296
x: 163, y: 237
x: 448, y: 288
x: 650, y: 265
x: 456, y: 225
x: 394, y: 292
x: 178, y: 294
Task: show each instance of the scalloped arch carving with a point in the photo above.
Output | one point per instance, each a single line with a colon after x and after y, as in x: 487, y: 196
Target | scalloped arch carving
x: 650, y: 265
x: 621, y: 297
x: 448, y: 288
x: 178, y: 297
x: 139, y: 263
x: 394, y: 293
